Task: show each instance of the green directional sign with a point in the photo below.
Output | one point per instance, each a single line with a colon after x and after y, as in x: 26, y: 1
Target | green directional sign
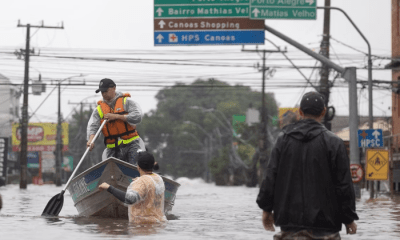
x: 283, y: 9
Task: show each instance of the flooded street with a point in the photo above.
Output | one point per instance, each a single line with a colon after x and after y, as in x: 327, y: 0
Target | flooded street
x: 201, y: 211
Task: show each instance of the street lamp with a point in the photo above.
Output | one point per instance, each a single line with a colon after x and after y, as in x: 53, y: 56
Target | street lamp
x: 59, y: 145
x: 209, y: 151
x: 202, y: 129
x: 198, y: 141
x: 211, y: 110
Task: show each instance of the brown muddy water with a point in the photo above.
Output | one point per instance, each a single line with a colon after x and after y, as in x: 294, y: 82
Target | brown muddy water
x: 201, y: 211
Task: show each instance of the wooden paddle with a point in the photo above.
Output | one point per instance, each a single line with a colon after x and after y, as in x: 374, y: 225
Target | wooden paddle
x: 55, y: 204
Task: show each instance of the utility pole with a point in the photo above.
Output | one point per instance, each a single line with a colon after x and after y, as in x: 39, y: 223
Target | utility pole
x: 324, y: 82
x: 59, y: 144
x: 24, y: 121
x: 263, y: 138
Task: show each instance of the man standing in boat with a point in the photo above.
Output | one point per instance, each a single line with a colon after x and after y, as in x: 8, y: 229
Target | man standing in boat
x: 122, y: 114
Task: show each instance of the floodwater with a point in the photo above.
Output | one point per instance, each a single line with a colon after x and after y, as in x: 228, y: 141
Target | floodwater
x: 201, y: 211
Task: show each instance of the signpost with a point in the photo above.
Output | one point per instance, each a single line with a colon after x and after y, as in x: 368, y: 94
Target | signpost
x: 357, y: 172
x: 205, y: 22
x: 377, y: 165
x: 283, y: 9
x: 33, y: 159
x: 370, y: 138
x: 237, y: 119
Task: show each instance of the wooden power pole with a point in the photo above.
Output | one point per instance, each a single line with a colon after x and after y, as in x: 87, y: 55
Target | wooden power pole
x: 24, y: 121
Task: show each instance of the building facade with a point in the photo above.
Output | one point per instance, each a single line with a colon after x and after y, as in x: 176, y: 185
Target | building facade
x: 9, y: 113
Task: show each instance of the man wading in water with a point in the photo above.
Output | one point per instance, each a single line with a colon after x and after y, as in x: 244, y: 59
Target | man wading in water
x: 308, y: 184
x: 145, y: 195
x: 122, y: 114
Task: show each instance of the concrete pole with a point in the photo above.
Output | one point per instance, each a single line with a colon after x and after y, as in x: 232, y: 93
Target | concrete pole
x: 324, y: 82
x: 59, y: 140
x: 24, y: 125
x: 350, y: 75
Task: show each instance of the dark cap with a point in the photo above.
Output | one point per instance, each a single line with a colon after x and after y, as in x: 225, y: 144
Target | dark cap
x: 105, y: 84
x: 312, y: 103
x: 146, y: 161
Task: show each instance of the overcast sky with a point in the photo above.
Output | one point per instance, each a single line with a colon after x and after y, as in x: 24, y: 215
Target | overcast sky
x: 124, y: 29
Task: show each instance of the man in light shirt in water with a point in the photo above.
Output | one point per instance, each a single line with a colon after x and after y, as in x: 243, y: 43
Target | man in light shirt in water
x: 145, y: 195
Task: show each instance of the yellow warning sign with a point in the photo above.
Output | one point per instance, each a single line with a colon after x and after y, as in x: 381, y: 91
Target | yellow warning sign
x: 287, y: 116
x: 377, y: 165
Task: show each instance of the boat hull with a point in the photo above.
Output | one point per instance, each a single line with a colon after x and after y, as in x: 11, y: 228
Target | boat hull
x: 89, y: 201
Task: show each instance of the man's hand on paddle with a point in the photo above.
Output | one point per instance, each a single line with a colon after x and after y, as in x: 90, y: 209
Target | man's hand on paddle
x: 90, y: 143
x: 268, y: 221
x: 104, y: 186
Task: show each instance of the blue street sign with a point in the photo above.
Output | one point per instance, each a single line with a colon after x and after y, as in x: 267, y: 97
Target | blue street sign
x: 370, y: 138
x: 33, y: 159
x: 208, y: 38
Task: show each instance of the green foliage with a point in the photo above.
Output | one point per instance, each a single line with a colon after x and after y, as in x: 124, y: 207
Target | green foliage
x: 188, y: 117
x: 246, y: 153
x: 219, y: 163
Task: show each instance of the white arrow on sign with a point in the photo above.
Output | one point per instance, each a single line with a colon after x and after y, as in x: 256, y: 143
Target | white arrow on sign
x: 159, y: 11
x: 376, y: 134
x: 160, y: 38
x: 161, y: 23
x: 256, y: 12
x: 310, y: 2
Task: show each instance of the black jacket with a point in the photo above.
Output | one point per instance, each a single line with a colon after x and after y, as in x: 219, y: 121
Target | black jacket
x: 308, y: 183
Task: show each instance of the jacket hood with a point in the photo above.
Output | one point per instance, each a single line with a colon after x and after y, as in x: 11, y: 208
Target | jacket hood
x: 304, y: 130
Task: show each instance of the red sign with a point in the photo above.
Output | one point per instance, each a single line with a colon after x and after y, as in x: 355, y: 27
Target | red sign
x: 35, y: 133
x: 40, y: 148
x: 357, y: 172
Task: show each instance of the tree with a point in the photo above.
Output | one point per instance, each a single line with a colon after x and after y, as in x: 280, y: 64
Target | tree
x: 192, y: 125
x: 78, y: 140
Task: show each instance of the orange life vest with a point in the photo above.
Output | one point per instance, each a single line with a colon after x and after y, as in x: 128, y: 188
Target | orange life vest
x: 116, y: 128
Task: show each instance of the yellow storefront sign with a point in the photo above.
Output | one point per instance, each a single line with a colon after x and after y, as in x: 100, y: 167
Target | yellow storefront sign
x: 377, y: 164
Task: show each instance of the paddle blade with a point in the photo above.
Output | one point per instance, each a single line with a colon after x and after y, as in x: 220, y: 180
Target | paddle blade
x: 54, y: 206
